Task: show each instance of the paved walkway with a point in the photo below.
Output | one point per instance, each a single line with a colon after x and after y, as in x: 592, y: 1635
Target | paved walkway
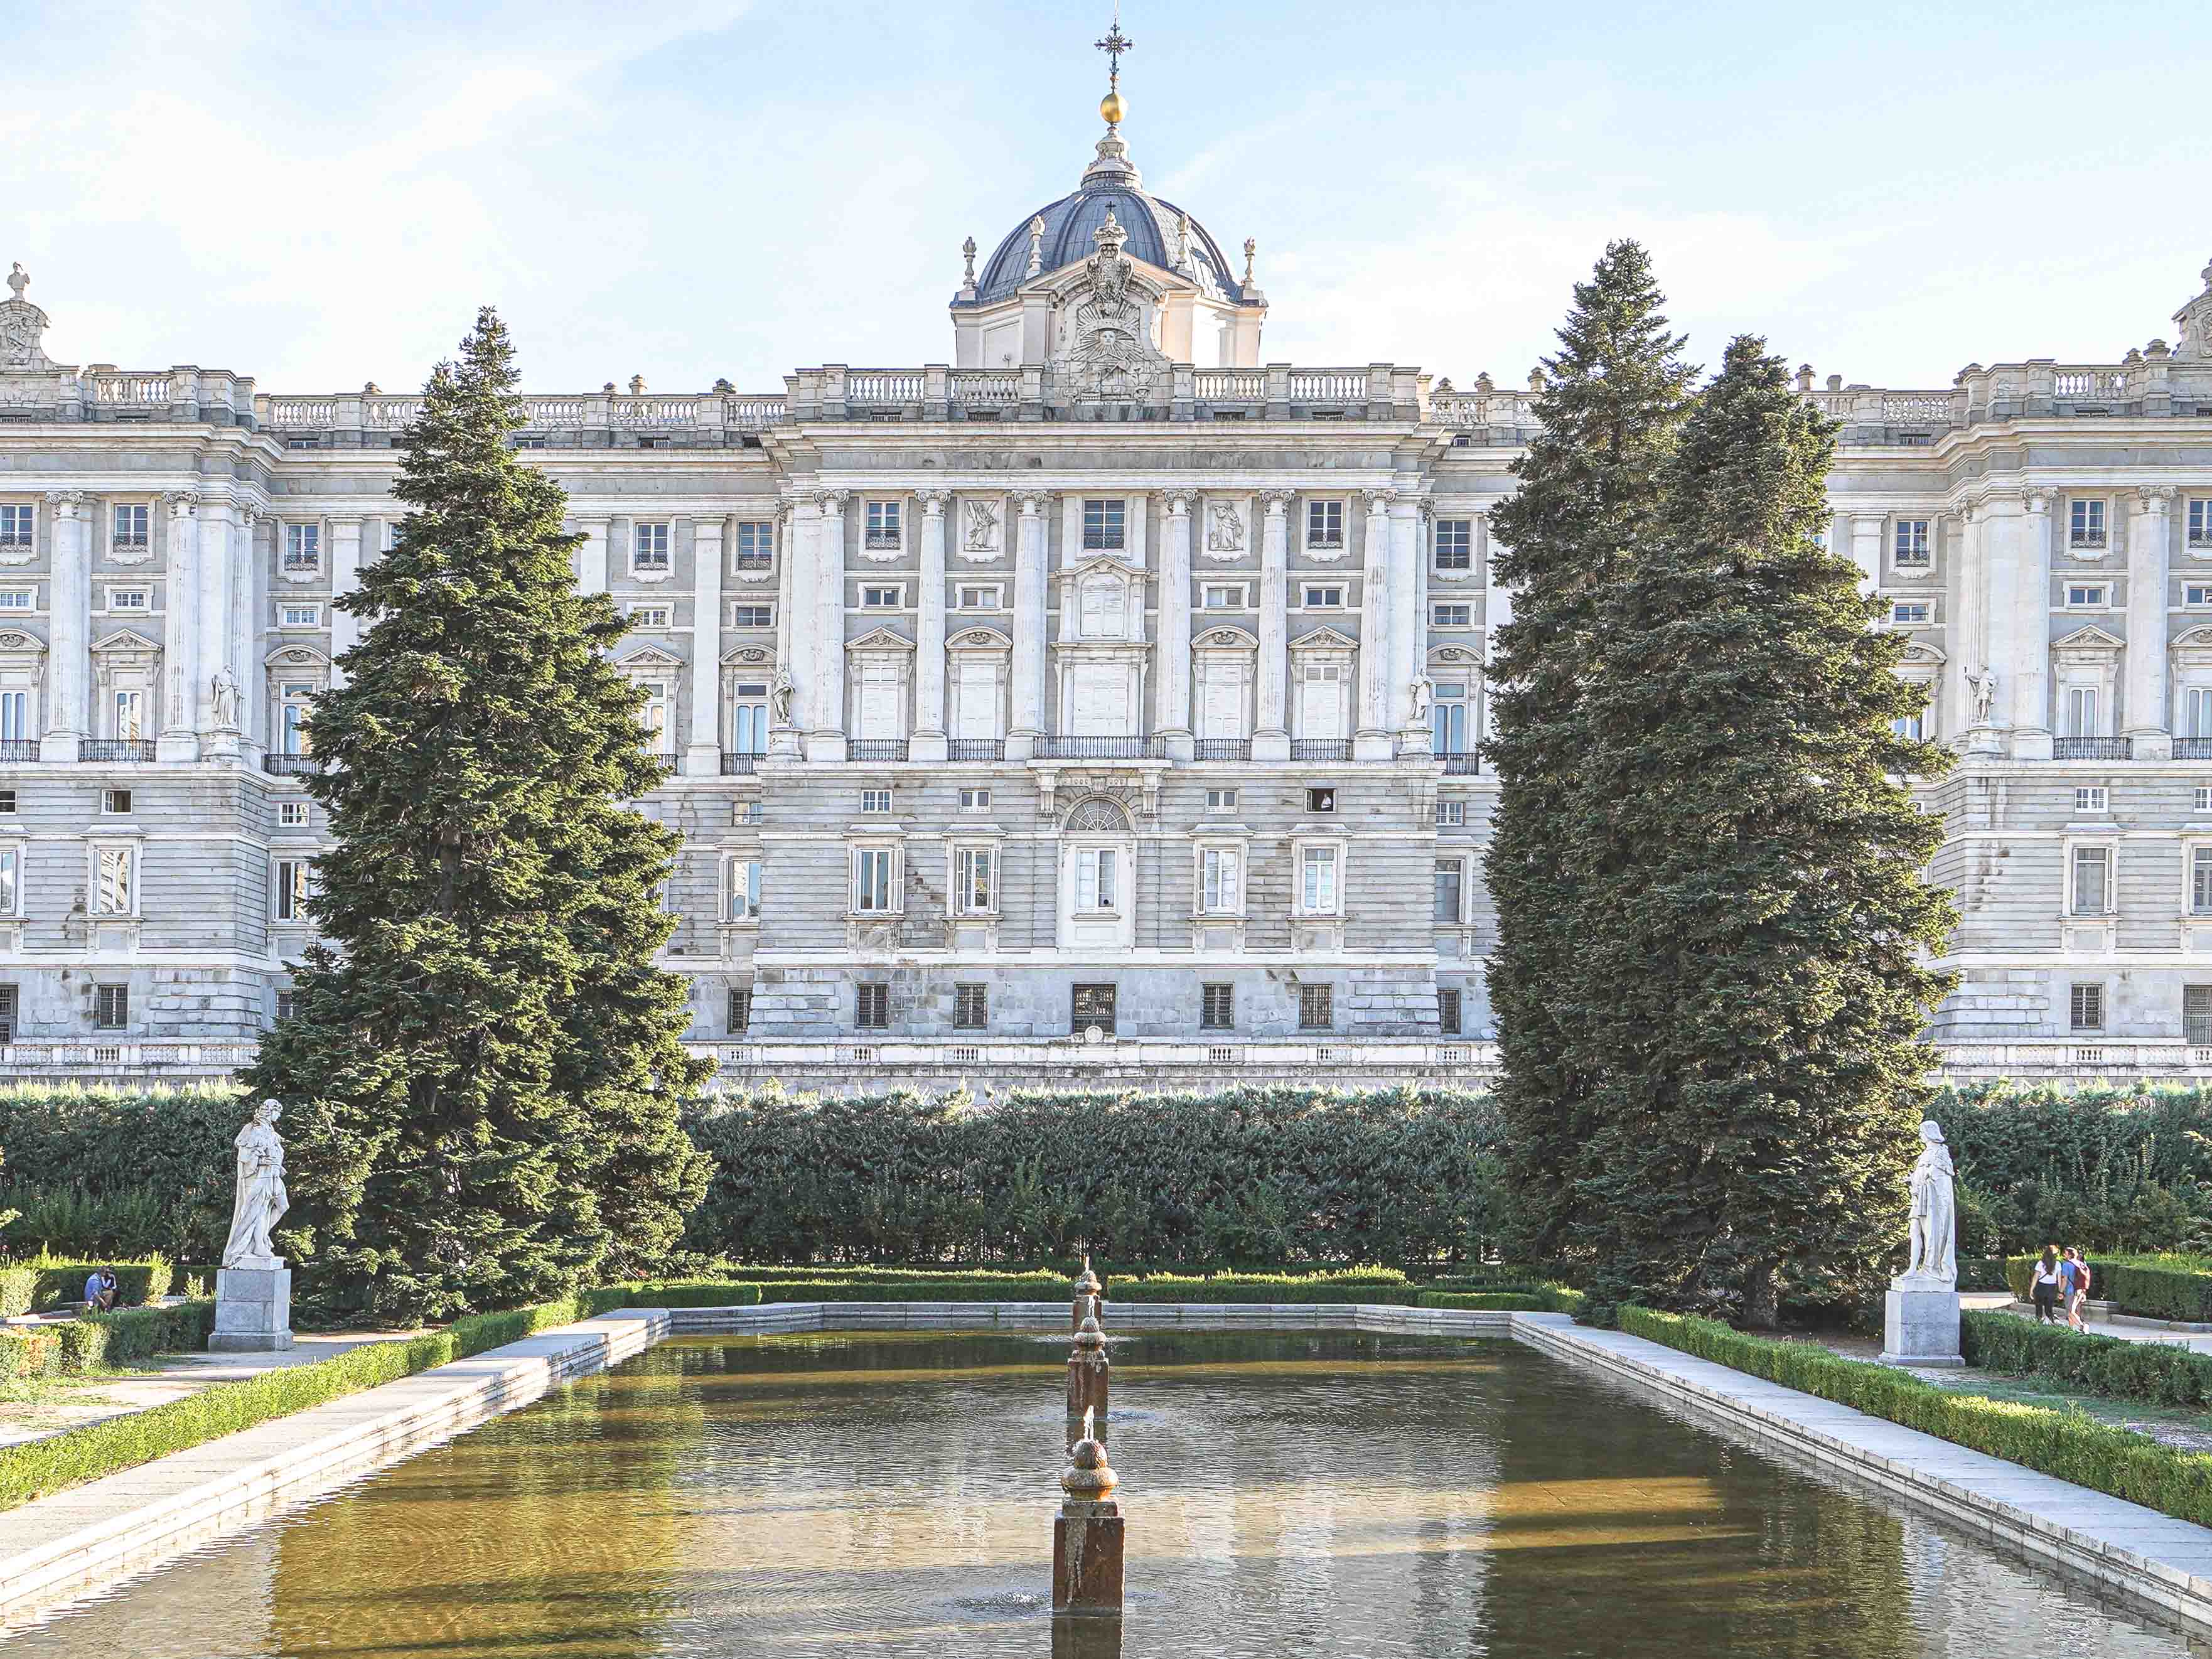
x: 2196, y: 1342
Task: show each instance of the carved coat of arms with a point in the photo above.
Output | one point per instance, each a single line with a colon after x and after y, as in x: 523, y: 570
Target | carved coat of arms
x: 1106, y: 348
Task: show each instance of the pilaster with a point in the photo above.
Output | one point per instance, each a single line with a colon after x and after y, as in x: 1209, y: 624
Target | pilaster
x: 1271, y: 740
x: 1171, y: 716
x: 69, y: 662
x: 248, y: 616
x: 1027, y: 697
x: 2019, y: 542
x: 345, y: 578
x: 220, y: 690
x: 180, y: 630
x: 928, y: 742
x: 1408, y: 621
x: 592, y: 556
x: 1374, y: 740
x: 825, y: 738
x: 703, y: 758
x: 1866, y: 549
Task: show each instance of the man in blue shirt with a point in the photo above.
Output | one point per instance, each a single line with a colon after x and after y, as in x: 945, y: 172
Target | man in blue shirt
x: 100, y: 1291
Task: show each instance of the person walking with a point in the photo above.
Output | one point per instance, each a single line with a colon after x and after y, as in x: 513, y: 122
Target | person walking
x: 2045, y: 1288
x: 2077, y: 1304
x: 2069, y: 1280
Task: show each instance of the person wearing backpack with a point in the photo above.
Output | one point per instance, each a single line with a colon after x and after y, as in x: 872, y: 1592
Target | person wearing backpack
x: 2077, y: 1298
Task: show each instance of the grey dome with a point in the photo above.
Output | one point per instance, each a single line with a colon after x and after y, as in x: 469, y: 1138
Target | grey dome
x: 1068, y: 224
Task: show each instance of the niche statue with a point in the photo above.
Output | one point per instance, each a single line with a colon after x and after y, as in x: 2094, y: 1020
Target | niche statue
x: 262, y: 1200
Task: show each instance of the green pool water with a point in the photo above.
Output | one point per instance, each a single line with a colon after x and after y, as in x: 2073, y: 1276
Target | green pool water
x: 1287, y: 1493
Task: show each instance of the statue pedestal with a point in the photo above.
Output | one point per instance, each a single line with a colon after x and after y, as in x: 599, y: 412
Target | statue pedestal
x: 1920, y: 1323
x: 252, y: 1310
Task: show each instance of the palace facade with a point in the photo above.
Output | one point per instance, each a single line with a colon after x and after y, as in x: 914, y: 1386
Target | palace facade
x: 1103, y: 702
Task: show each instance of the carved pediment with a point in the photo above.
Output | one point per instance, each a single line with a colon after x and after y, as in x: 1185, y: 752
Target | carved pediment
x: 125, y: 642
x: 880, y: 639
x: 749, y: 656
x: 1922, y: 654
x: 2088, y: 641
x: 1226, y: 637
x: 13, y: 643
x: 296, y: 656
x: 1325, y: 638
x: 649, y: 659
x: 1456, y: 657
x: 979, y: 639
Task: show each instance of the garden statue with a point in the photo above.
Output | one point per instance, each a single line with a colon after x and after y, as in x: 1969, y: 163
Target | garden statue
x: 262, y: 1200
x: 1935, y: 1210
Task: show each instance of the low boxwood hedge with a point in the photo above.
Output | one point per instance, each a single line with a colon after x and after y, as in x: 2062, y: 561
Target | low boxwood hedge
x: 47, y: 1283
x: 2176, y: 1287
x: 2158, y: 1372
x: 1040, y: 1287
x: 2066, y: 1444
x: 1538, y: 1299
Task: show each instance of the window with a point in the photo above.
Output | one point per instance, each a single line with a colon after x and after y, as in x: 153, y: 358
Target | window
x: 749, y: 718
x: 111, y: 1009
x: 1222, y: 596
x: 745, y: 889
x: 649, y: 616
x: 1448, y: 1020
x: 2088, y: 1008
x: 291, y: 895
x: 1454, y: 539
x: 2196, y: 711
x: 1451, y: 814
x: 1448, y: 719
x: 1908, y: 615
x: 1324, y: 524
x: 288, y: 1003
x: 974, y: 800
x: 2092, y: 798
x: 1221, y: 801
x: 1322, y: 596
x: 16, y: 716
x: 883, y: 526
x: 115, y: 881
x: 883, y: 599
x: 300, y: 616
x: 1911, y: 727
x: 130, y: 598
x: 1451, y: 616
x: 2200, y: 881
x: 875, y: 800
x: 292, y: 814
x: 1451, y: 875
x: 649, y: 552
x: 975, y: 880
x: 7, y: 800
x: 19, y: 598
x: 1216, y: 1007
x: 1091, y: 1005
x: 1320, y: 800
x: 7, y: 1013
x: 971, y: 1007
x: 2092, y: 871
x: 2204, y: 797
x: 980, y: 596
x: 749, y: 811
x: 654, y: 717
x: 740, y: 1013
x: 115, y: 802
x: 292, y: 718
x: 11, y: 883
x: 18, y: 525
x: 1317, y: 890
x: 871, y: 1007
x: 1104, y: 527
x: 2196, y: 593
x: 393, y: 528
x: 873, y: 888
x: 2200, y: 523
x: 1221, y: 888
x: 303, y: 548
x: 2196, y: 1015
x: 756, y: 544
x: 2089, y: 596
x: 2087, y: 525
x: 2083, y: 712
x: 1911, y: 543
x: 131, y: 526
x: 130, y: 714
x: 1317, y: 1007
x: 1097, y: 870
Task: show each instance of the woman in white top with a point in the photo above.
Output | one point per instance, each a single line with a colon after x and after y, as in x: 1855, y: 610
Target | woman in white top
x: 2046, y: 1286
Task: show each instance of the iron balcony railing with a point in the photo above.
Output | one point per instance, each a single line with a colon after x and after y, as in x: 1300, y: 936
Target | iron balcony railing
x: 876, y: 748
x: 738, y: 765
x: 2192, y: 749
x: 19, y: 749
x: 1102, y: 749
x: 2089, y: 748
x: 115, y: 749
x: 1461, y: 765
x: 1221, y: 748
x: 1321, y: 748
x: 976, y: 748
x: 291, y: 766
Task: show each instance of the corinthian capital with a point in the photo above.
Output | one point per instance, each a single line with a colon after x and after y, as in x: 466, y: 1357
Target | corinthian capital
x: 1179, y: 501
x: 182, y: 503
x: 2155, y: 498
x: 66, y: 503
x: 1032, y: 501
x: 827, y: 502
x: 1378, y: 501
x: 933, y: 501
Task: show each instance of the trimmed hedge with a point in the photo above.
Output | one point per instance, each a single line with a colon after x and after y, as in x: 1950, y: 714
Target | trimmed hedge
x: 1055, y: 1287
x: 136, y: 1283
x: 2177, y: 1287
x: 688, y: 1293
x: 34, y: 1351
x: 2086, y: 1363
x: 19, y: 1283
x: 2065, y: 1445
x: 1555, y: 1298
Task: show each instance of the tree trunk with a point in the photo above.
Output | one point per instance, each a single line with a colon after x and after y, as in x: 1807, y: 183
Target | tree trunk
x: 1762, y: 1308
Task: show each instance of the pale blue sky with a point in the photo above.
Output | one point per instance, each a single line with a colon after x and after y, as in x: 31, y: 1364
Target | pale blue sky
x: 687, y: 189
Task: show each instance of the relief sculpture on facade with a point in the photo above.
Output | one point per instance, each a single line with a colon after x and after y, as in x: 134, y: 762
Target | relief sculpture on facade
x: 1106, y: 349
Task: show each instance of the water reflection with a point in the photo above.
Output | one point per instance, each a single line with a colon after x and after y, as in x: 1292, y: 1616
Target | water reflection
x: 1289, y: 1493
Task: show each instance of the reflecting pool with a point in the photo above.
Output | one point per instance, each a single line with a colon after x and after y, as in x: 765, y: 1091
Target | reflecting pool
x: 1294, y: 1492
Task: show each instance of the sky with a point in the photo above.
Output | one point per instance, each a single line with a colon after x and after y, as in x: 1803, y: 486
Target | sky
x: 319, y: 196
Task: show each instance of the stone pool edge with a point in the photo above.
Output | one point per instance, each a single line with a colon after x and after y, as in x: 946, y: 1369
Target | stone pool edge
x: 55, y: 1549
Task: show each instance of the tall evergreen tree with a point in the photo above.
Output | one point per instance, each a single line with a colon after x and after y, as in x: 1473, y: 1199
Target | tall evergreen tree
x: 482, y: 1067
x: 1612, y: 400
x: 1751, y: 907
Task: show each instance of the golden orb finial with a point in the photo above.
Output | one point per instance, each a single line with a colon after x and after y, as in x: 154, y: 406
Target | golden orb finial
x: 1114, y: 46
x: 1111, y: 107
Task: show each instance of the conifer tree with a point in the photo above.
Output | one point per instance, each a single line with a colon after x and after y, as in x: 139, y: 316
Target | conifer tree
x: 1751, y: 913
x: 1612, y: 402
x: 482, y: 1068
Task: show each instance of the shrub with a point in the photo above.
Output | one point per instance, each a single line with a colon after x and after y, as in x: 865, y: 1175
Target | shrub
x: 28, y: 1353
x: 2156, y: 1372
x: 94, y: 1341
x: 112, y: 1151
x: 19, y: 1285
x: 2065, y: 1445
x: 2177, y: 1287
x: 1550, y: 1298
x: 136, y: 1283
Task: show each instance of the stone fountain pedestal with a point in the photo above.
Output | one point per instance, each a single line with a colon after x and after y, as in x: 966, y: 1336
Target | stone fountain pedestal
x: 1920, y: 1323
x: 252, y: 1309
x: 1087, y: 1539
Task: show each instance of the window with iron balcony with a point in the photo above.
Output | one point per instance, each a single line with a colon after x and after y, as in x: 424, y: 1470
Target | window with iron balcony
x: 1324, y: 524
x: 18, y: 525
x: 1454, y: 545
x: 1911, y: 543
x: 131, y: 527
x: 756, y: 544
x: 883, y: 526
x: 1104, y: 528
x: 2086, y: 524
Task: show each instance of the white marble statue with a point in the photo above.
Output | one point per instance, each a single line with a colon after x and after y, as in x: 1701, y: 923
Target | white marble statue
x: 262, y: 1200
x: 780, y: 696
x: 1935, y: 1211
x: 1985, y: 687
x: 1424, y: 692
x: 225, y: 694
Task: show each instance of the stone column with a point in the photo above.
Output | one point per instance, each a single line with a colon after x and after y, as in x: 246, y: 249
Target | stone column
x: 591, y: 556
x: 2023, y: 543
x: 180, y: 636
x: 1967, y: 634
x: 703, y: 757
x: 219, y: 574
x: 825, y: 739
x: 345, y: 577
x: 1271, y: 740
x: 1408, y: 622
x: 1497, y: 612
x: 1171, y: 711
x: 67, y: 716
x: 928, y: 742
x: 248, y: 614
x: 1028, y: 691
x: 794, y: 624
x: 1374, y: 740
x: 1866, y: 549
x: 2148, y: 730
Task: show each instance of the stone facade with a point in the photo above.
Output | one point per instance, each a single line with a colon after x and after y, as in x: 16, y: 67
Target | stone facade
x: 1103, y: 704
